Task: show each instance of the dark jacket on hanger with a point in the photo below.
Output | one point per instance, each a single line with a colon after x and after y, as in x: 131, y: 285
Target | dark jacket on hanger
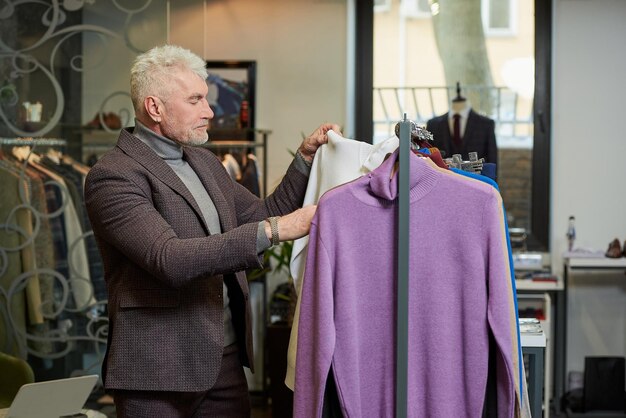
x: 479, y: 136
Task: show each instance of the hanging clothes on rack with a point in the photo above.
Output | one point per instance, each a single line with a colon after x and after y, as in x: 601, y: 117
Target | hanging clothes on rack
x: 250, y: 174
x: 12, y: 267
x: 73, y: 175
x: 522, y: 386
x: 460, y: 291
x: 232, y: 166
x: 22, y: 213
x: 339, y: 161
x: 43, y: 200
x: 76, y: 255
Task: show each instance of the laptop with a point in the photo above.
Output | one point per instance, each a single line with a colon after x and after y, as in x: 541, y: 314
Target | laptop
x: 51, y: 399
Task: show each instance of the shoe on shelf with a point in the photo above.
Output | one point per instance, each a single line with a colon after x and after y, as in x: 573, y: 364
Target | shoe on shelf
x: 614, y: 250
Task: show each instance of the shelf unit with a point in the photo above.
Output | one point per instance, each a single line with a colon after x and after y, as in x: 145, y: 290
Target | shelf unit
x: 543, y: 302
x: 541, y: 294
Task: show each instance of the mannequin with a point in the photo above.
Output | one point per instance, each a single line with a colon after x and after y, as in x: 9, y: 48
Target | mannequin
x: 476, y: 132
x: 459, y: 103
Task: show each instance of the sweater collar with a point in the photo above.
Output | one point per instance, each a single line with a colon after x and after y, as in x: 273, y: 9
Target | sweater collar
x: 162, y: 146
x: 383, y: 182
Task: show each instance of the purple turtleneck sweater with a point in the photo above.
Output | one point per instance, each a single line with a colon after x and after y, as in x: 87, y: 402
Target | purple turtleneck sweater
x: 460, y: 290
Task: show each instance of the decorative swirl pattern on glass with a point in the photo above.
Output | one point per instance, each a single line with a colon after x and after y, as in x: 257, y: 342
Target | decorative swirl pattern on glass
x: 61, y: 309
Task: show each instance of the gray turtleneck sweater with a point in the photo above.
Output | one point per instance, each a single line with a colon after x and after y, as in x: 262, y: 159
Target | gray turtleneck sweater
x: 172, y: 153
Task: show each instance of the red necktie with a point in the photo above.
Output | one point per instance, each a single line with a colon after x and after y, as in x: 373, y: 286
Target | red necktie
x: 456, y: 135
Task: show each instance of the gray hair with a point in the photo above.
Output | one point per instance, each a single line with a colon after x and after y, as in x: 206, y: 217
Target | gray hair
x: 151, y: 70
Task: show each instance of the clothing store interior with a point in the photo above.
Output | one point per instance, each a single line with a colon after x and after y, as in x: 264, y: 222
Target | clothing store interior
x: 490, y: 262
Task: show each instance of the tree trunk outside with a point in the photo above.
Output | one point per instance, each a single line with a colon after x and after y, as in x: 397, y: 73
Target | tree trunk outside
x: 461, y: 44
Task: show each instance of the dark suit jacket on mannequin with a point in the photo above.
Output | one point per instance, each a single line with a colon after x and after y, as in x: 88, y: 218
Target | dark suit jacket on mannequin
x: 164, y: 271
x: 479, y: 136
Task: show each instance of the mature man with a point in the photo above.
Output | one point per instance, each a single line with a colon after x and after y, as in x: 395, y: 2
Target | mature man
x: 176, y: 233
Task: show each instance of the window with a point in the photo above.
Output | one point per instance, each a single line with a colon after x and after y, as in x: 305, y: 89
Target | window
x: 416, y: 8
x: 382, y: 5
x: 499, y: 17
x: 532, y: 39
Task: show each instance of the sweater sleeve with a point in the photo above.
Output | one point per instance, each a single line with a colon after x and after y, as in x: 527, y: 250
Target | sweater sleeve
x: 501, y: 310
x: 316, y: 338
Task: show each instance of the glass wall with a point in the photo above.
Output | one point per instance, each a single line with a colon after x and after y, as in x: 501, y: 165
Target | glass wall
x: 423, y: 48
x: 64, y: 83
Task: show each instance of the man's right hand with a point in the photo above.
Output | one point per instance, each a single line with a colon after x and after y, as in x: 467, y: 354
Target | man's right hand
x: 293, y: 225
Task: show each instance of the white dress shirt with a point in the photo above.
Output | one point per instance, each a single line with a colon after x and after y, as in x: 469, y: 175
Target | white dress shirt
x: 464, y: 113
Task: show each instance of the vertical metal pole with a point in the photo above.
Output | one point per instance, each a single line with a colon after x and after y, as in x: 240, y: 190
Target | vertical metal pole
x: 264, y: 194
x: 402, y: 334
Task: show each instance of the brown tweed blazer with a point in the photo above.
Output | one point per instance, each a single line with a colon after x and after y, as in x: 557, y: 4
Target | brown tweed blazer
x: 164, y: 270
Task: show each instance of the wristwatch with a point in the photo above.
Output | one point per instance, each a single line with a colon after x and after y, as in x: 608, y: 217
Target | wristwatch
x: 273, y: 220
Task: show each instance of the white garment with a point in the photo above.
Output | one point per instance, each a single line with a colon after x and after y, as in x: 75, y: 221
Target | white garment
x: 232, y: 166
x: 464, y: 113
x: 338, y: 162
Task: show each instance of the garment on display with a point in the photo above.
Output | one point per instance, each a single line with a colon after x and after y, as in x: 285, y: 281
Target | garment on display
x: 242, y: 166
x: 333, y: 338
x: 462, y: 130
x: 48, y: 247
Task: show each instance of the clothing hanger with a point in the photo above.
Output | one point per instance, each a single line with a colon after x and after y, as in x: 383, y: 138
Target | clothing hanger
x: 420, y: 137
x: 24, y: 152
x: 54, y: 155
x: 474, y: 165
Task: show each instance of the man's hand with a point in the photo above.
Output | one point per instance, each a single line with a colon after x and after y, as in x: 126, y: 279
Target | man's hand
x: 318, y: 137
x: 293, y: 225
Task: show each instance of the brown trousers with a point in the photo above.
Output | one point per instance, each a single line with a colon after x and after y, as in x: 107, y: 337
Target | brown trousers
x: 228, y: 398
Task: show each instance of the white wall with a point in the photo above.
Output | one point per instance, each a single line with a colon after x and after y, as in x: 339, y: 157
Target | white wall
x: 589, y: 165
x: 300, y: 49
x: 107, y: 59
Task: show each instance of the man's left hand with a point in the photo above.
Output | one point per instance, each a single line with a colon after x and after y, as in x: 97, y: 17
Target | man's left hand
x: 318, y: 137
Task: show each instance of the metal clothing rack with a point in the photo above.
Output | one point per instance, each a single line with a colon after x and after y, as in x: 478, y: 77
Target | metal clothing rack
x: 52, y: 142
x: 402, y: 323
x: 407, y: 132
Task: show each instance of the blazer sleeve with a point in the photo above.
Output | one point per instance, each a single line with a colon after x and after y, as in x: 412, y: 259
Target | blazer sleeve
x: 492, y: 148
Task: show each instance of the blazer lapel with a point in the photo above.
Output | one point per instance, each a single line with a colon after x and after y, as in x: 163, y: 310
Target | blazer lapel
x: 447, y: 137
x: 198, y: 163
x: 141, y: 153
